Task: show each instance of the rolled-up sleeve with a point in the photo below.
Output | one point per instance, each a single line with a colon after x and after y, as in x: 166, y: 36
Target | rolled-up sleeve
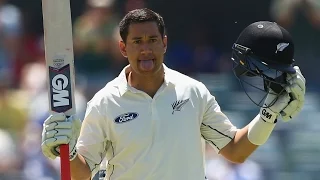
x: 93, y: 141
x: 215, y: 128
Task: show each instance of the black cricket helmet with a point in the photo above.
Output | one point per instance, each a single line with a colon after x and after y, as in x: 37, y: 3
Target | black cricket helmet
x: 262, y: 56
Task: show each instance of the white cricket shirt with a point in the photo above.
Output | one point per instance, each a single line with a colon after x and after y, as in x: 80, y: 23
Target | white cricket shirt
x: 158, y: 138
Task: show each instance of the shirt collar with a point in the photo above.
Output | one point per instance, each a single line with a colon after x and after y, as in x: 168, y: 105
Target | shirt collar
x: 123, y: 85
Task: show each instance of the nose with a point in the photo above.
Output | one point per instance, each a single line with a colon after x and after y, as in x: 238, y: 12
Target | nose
x: 145, y: 49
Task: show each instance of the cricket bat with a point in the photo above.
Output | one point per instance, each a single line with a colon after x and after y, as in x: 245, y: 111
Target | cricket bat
x: 60, y: 66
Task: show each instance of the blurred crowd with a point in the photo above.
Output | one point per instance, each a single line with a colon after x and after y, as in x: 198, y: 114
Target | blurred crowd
x: 200, y: 49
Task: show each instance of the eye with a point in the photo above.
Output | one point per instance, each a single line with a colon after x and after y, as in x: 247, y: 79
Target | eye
x: 153, y: 40
x: 136, y: 41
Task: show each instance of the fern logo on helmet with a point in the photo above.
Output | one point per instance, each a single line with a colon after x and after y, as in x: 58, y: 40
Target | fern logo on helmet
x: 281, y: 46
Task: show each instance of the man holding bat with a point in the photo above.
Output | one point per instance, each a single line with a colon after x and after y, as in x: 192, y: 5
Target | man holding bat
x: 149, y: 121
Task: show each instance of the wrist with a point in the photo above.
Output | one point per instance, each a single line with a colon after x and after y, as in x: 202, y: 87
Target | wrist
x: 259, y: 130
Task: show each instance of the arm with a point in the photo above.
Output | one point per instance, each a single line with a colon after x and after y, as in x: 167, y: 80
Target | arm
x: 239, y: 148
x: 257, y: 132
x: 259, y: 129
x: 79, y: 168
x: 215, y: 127
x: 234, y: 144
x: 87, y: 150
x: 93, y: 143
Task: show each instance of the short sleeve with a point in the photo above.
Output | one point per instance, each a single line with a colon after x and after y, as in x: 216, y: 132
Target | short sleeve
x: 215, y: 128
x: 93, y: 141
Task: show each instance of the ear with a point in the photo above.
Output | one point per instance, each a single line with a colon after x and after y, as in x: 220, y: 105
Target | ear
x: 122, y: 47
x: 165, y: 43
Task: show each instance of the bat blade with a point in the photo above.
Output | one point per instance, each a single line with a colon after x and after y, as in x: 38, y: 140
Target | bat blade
x: 60, y: 65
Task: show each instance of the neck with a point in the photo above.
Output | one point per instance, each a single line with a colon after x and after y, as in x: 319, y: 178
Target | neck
x: 148, y: 84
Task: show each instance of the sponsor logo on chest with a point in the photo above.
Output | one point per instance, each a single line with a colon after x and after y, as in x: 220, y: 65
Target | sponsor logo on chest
x: 129, y: 116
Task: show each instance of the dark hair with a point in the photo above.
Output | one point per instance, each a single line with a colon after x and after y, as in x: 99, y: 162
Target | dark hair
x: 140, y: 16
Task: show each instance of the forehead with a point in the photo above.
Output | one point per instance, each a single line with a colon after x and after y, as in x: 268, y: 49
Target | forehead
x: 143, y: 29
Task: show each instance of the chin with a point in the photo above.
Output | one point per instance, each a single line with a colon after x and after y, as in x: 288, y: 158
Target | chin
x: 152, y: 72
x: 149, y: 72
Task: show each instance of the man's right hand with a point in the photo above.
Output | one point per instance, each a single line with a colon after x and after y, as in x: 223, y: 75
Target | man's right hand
x: 58, y: 130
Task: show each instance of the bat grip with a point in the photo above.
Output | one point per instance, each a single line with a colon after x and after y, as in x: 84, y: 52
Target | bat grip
x: 65, y: 162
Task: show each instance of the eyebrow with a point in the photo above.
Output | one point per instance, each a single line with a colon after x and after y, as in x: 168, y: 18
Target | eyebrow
x: 139, y: 38
x: 155, y: 36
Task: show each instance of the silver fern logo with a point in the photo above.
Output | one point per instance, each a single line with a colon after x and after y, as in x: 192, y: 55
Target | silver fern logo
x: 177, y: 105
x: 281, y: 46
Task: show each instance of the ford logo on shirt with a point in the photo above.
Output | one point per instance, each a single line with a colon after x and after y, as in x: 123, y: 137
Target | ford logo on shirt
x: 126, y: 117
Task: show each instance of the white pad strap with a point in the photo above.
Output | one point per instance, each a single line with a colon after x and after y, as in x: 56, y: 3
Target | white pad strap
x: 73, y: 154
x: 259, y: 130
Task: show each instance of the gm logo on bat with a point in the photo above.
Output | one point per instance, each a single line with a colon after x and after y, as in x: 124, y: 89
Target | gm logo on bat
x: 60, y: 88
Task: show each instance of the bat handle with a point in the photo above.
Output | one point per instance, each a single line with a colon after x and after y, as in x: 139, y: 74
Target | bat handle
x: 65, y: 162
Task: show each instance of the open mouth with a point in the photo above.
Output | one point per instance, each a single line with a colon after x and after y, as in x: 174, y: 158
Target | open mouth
x: 147, y: 65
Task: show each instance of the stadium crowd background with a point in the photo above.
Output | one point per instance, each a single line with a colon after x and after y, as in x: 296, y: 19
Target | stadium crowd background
x: 200, y: 33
